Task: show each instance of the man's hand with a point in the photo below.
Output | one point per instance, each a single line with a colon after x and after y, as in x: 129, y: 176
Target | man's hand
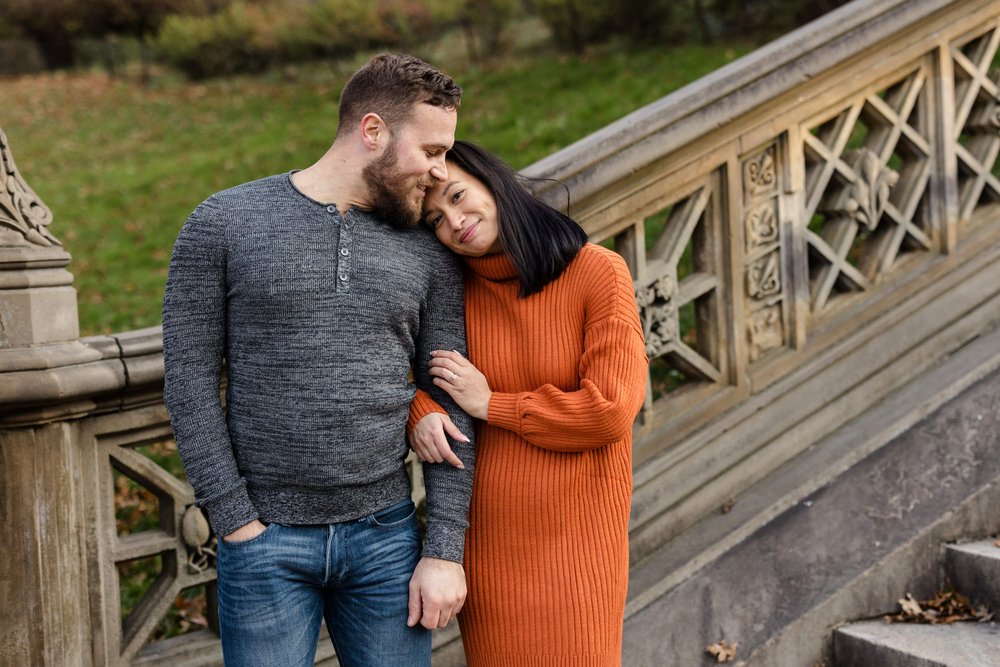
x: 437, y: 592
x: 247, y: 532
x: 429, y: 439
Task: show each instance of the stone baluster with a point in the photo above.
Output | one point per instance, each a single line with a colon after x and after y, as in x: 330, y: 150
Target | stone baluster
x: 43, y: 575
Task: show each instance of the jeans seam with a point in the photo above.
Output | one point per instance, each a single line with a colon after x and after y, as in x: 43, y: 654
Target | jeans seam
x: 327, y: 558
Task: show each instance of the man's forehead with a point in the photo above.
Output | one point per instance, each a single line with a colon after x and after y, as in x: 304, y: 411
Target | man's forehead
x: 432, y: 123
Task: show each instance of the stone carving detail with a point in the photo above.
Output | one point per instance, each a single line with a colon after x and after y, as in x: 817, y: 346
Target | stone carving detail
x: 765, y: 331
x: 20, y: 208
x: 764, y: 277
x: 867, y: 196
x: 761, y: 226
x: 199, y: 540
x: 658, y: 308
x: 759, y: 174
x: 987, y: 123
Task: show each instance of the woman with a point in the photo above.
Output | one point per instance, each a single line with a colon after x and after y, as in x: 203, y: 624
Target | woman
x: 556, y: 374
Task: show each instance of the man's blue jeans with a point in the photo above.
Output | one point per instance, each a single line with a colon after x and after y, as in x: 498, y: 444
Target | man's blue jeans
x: 275, y: 588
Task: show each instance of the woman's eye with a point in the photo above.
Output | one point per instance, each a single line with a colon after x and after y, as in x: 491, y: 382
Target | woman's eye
x: 457, y: 196
x: 434, y: 222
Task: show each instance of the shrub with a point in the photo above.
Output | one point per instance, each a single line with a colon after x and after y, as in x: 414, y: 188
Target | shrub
x: 248, y: 36
x: 215, y: 45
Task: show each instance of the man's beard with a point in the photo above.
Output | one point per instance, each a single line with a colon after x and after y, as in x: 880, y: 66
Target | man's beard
x: 390, y: 196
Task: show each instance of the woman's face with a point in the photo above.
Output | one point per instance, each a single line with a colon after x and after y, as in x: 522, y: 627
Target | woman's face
x: 463, y: 214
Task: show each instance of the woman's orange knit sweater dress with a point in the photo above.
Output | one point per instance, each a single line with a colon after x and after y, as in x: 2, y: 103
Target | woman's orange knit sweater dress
x: 546, y: 555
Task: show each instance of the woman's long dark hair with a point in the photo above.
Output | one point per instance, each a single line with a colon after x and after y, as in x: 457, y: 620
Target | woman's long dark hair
x: 539, y: 240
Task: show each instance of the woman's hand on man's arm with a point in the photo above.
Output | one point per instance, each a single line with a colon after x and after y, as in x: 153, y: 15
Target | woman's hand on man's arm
x: 466, y: 385
x: 429, y: 440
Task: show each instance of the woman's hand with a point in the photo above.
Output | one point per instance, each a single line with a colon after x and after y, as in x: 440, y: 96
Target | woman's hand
x: 463, y: 382
x: 429, y: 442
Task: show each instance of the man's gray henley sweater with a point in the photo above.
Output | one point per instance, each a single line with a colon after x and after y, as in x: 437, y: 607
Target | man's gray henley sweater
x: 319, y: 316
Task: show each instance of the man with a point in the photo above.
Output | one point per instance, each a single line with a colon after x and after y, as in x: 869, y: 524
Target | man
x: 321, y: 294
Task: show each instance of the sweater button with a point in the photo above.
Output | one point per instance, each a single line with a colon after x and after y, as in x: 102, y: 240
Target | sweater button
x: 345, y: 252
x: 331, y: 209
x: 343, y: 277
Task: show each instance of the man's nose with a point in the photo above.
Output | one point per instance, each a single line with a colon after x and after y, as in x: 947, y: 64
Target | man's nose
x: 439, y: 170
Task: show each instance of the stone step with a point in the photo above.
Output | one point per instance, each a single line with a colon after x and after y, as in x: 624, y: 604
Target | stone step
x: 881, y: 644
x: 974, y: 570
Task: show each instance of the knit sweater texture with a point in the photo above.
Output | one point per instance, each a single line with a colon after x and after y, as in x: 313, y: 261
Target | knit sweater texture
x: 319, y: 316
x: 547, y: 547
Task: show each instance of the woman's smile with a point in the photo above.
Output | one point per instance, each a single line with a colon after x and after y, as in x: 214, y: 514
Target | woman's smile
x: 468, y: 233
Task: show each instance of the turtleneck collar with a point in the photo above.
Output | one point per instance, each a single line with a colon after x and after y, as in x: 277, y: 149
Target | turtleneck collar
x: 492, y: 267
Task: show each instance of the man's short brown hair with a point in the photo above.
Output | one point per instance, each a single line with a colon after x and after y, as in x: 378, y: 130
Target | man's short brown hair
x: 390, y: 85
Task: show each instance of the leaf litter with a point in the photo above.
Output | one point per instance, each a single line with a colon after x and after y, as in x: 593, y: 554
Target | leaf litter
x: 947, y: 606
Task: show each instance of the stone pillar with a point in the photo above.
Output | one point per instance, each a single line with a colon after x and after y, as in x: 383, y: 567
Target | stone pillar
x: 37, y: 300
x: 45, y: 615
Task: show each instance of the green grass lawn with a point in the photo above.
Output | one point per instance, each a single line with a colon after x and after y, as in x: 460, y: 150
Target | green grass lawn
x: 121, y: 166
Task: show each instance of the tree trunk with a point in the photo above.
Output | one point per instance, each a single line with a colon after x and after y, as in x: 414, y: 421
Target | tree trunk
x: 57, y: 51
x: 702, y: 19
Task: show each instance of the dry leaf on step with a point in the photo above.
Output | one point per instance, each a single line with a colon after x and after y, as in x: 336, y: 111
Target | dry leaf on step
x: 723, y: 651
x: 910, y: 606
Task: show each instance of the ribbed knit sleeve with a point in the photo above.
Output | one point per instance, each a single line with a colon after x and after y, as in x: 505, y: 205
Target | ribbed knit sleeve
x: 612, y: 370
x: 422, y: 405
x: 194, y: 336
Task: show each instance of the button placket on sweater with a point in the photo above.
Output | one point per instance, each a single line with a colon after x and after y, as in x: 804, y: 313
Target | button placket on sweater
x: 344, y: 251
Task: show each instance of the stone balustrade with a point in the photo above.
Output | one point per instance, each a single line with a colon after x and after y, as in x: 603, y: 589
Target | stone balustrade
x: 808, y: 228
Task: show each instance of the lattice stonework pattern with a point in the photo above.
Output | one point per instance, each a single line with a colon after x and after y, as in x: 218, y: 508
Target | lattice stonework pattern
x: 159, y: 547
x: 680, y: 291
x: 977, y: 122
x: 762, y: 252
x: 867, y: 196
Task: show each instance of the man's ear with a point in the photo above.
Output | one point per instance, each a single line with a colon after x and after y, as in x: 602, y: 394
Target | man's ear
x: 374, y: 131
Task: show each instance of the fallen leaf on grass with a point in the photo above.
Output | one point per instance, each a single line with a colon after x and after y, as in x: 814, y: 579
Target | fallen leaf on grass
x: 948, y: 606
x: 723, y: 651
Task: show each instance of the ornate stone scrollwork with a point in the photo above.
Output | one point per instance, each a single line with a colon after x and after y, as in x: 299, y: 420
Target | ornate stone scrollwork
x: 658, y: 308
x: 20, y: 208
x: 760, y: 174
x: 764, y: 277
x: 765, y: 331
x: 867, y: 196
x: 199, y: 540
x: 761, y: 226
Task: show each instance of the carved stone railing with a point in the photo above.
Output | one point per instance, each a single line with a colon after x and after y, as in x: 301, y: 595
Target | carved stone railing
x: 808, y: 228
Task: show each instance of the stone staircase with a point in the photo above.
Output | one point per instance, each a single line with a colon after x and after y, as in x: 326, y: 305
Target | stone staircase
x: 974, y: 569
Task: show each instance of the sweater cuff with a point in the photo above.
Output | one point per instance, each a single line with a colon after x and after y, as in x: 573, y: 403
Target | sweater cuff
x: 230, y: 510
x: 503, y: 412
x: 421, y: 406
x: 445, y: 540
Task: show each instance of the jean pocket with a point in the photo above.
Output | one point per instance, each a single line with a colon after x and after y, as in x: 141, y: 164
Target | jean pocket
x: 395, y: 516
x: 268, y: 529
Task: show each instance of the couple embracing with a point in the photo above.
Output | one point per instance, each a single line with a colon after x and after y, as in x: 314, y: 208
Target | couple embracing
x: 405, y: 291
